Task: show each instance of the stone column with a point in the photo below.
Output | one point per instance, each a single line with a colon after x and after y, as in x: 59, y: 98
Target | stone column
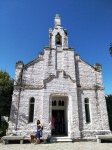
x: 75, y: 133
x: 14, y: 110
x: 16, y: 96
x: 103, y: 109
x: 46, y: 116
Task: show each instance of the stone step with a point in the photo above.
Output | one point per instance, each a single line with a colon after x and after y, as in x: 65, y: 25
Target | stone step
x: 60, y: 139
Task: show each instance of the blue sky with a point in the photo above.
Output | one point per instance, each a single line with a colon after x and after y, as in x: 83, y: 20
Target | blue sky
x: 24, y: 26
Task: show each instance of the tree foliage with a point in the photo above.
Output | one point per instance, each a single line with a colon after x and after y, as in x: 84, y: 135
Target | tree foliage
x: 6, y: 90
x: 110, y: 49
x: 3, y: 128
x: 109, y: 109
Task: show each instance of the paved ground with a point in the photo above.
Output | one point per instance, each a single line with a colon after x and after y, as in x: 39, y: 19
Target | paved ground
x: 59, y: 146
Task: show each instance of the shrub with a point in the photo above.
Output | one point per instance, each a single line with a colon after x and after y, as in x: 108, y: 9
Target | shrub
x: 3, y: 128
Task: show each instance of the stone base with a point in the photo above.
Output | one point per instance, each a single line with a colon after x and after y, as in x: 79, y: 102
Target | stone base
x: 5, y: 139
x: 92, y: 134
x: 103, y: 137
x: 81, y: 135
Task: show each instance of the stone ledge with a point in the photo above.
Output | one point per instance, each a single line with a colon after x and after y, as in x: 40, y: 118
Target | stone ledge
x: 5, y: 139
x: 104, y: 137
x: 60, y: 139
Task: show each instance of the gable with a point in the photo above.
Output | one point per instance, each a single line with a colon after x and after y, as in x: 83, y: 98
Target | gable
x: 86, y: 75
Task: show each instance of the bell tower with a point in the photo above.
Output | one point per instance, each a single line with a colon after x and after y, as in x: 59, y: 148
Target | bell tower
x: 58, y: 56
x: 58, y: 37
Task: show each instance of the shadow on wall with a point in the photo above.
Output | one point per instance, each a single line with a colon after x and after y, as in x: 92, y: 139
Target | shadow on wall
x: 79, y: 93
x: 14, y: 124
x: 109, y: 109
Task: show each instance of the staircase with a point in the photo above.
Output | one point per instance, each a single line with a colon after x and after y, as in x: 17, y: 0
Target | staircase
x: 60, y: 139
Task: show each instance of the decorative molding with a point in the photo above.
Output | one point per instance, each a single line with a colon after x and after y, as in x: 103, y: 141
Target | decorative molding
x: 90, y: 88
x: 59, y: 95
x: 68, y: 76
x: 32, y: 62
x: 49, y: 78
x: 38, y: 87
x: 55, y: 76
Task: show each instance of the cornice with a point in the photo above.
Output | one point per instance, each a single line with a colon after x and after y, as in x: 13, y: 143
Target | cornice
x: 34, y: 61
x: 90, y: 88
x: 38, y: 87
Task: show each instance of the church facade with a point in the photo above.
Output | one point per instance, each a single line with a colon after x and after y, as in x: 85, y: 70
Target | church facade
x: 60, y: 85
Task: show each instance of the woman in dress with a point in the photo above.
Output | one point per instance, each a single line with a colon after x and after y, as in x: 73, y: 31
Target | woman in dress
x: 39, y: 128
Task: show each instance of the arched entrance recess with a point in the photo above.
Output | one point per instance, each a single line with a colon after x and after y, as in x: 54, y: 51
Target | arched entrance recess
x: 59, y: 114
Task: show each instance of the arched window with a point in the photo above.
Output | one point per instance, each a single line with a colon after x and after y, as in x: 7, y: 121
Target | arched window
x: 62, y: 103
x: 54, y: 103
x: 59, y: 103
x: 58, y: 39
x: 31, y: 109
x: 87, y: 111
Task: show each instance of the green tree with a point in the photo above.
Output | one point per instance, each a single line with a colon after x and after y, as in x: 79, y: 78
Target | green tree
x: 109, y: 109
x: 6, y: 90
